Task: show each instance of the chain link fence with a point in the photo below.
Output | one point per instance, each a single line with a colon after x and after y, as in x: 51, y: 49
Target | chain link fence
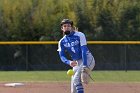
x: 45, y: 57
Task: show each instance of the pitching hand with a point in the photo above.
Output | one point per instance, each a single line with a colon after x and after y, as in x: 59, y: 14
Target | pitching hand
x: 73, y: 63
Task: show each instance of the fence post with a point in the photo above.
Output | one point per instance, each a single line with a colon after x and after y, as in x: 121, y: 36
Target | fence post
x: 27, y: 57
x: 125, y: 57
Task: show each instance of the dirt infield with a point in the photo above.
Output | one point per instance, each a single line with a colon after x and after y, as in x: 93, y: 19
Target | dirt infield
x: 64, y: 87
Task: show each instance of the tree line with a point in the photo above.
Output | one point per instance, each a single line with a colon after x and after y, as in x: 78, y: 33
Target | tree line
x: 35, y: 20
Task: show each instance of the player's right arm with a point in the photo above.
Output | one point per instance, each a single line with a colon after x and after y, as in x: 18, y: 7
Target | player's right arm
x: 65, y: 60
x: 61, y: 50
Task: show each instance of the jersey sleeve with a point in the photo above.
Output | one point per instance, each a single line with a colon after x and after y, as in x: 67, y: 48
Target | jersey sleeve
x: 82, y: 39
x: 62, y: 55
x: 84, y: 49
x: 59, y: 46
x: 84, y: 54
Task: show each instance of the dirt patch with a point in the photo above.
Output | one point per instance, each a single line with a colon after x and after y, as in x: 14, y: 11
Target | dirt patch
x: 64, y: 87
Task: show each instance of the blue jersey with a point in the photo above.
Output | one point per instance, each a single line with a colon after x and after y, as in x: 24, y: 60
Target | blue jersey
x: 75, y: 44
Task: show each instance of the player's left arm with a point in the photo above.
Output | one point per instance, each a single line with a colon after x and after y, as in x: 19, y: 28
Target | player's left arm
x: 84, y: 55
x: 85, y: 71
x: 84, y: 48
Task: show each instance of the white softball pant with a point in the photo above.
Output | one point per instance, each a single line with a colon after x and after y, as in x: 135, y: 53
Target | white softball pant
x: 76, y: 78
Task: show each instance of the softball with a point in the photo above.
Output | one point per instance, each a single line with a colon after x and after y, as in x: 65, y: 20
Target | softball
x: 70, y: 72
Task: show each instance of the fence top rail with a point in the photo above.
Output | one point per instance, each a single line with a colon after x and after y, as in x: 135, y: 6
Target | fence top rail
x: 56, y: 42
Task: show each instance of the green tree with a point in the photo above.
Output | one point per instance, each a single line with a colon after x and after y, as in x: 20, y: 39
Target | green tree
x: 83, y: 20
x: 130, y: 23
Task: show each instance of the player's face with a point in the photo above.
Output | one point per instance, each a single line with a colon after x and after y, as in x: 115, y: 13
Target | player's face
x: 66, y: 27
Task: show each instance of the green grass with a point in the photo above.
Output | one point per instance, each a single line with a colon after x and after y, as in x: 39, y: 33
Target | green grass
x: 116, y: 76
x: 50, y: 76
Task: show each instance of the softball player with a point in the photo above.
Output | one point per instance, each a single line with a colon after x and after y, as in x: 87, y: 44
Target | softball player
x: 75, y: 44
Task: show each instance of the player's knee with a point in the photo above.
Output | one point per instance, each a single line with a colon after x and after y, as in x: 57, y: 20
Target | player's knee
x: 76, y: 81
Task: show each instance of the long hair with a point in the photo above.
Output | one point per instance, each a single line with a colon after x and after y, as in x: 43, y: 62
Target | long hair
x: 74, y: 28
